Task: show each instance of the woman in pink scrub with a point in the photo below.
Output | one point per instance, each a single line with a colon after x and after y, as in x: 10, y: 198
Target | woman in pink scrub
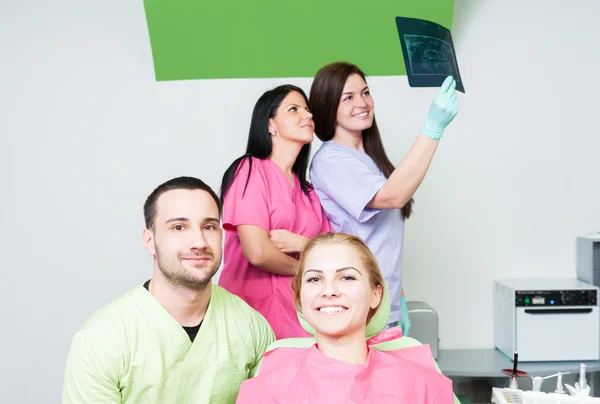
x: 270, y: 210
x: 339, y: 289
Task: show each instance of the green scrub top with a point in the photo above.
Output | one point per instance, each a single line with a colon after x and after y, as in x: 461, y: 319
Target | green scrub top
x: 133, y: 351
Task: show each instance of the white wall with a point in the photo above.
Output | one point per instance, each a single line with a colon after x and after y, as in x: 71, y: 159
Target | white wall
x: 516, y: 178
x: 87, y: 133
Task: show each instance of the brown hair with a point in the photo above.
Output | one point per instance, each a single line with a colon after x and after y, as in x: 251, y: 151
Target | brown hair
x: 368, y: 260
x: 325, y: 94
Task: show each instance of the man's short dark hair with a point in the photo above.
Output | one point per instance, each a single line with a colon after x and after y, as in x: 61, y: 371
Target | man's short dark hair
x: 190, y: 183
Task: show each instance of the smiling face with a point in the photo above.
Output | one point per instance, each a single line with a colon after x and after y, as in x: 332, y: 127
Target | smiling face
x: 293, y: 121
x: 185, y: 239
x: 337, y: 293
x: 355, y: 111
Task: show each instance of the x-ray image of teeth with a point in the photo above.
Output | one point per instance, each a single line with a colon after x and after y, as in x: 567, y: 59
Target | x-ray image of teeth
x: 428, y: 53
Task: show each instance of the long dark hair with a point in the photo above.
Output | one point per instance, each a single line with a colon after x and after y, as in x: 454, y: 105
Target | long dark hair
x: 325, y: 94
x: 260, y: 143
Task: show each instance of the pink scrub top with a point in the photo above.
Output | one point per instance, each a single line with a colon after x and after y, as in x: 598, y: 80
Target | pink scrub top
x: 306, y: 376
x: 268, y: 202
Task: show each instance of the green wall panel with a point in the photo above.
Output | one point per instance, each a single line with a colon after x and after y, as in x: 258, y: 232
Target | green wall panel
x: 213, y: 39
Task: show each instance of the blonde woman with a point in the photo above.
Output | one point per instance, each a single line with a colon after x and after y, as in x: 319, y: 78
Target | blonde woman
x: 339, y: 288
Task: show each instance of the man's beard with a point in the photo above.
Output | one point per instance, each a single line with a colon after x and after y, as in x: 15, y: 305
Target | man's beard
x: 179, y: 276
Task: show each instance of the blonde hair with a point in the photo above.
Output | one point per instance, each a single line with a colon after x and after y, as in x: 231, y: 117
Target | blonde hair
x: 368, y: 260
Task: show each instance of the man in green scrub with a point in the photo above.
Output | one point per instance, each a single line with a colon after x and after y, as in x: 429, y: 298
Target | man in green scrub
x: 178, y: 338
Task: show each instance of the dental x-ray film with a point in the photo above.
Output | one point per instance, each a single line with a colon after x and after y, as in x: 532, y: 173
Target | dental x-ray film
x: 428, y: 53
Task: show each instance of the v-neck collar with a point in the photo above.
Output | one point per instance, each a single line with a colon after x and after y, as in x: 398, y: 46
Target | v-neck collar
x: 350, y: 149
x: 291, y: 187
x: 360, y: 155
x: 175, y: 329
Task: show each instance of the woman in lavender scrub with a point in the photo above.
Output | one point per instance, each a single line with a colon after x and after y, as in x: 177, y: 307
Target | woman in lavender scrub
x: 361, y: 191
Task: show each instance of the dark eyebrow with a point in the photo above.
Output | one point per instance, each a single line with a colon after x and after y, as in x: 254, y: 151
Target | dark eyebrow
x: 350, y: 92
x: 177, y: 219
x: 337, y: 270
x: 296, y: 105
x: 185, y: 219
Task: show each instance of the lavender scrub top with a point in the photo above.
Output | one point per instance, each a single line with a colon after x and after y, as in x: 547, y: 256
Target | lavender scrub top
x: 346, y: 179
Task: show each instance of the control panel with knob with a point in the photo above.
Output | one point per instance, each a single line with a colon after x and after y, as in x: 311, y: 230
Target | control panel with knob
x: 538, y: 298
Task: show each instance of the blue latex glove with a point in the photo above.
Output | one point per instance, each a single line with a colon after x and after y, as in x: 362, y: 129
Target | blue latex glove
x: 405, y: 323
x: 442, y: 111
